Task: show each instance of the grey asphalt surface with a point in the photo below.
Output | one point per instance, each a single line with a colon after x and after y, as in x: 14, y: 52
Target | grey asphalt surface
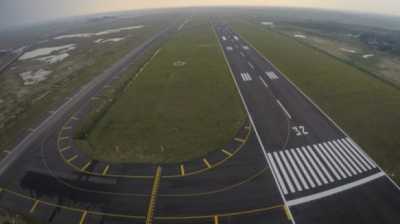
x: 314, y: 169
x: 323, y: 175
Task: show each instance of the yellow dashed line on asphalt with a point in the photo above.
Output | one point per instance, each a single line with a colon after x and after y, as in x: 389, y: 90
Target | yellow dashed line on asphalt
x: 240, y: 140
x: 74, y: 118
x: 247, y: 127
x: 226, y: 152
x: 153, y: 196
x: 205, y: 161
x: 182, y: 168
x: 216, y: 220
x: 72, y: 158
x: 86, y: 166
x: 65, y: 148
x: 105, y: 171
x: 35, y: 204
x: 83, y: 217
x: 67, y: 128
x: 64, y: 138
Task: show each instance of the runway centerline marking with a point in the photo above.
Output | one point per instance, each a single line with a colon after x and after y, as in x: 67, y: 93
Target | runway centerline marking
x: 284, y: 109
x: 263, y: 81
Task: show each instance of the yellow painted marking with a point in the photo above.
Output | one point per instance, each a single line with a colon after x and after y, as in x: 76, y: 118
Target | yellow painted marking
x: 83, y: 217
x: 182, y: 168
x: 74, y: 118
x: 205, y: 161
x: 240, y: 140
x: 72, y: 158
x: 105, y: 171
x: 86, y: 166
x: 247, y: 127
x: 67, y: 128
x: 153, y: 196
x: 64, y: 138
x: 226, y: 152
x: 216, y: 220
x: 35, y: 204
x: 288, y: 213
x: 65, y: 148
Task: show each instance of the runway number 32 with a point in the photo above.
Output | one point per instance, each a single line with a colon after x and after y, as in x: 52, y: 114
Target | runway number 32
x: 300, y: 130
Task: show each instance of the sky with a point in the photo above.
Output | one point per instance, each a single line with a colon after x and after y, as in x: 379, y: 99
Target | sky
x: 17, y: 12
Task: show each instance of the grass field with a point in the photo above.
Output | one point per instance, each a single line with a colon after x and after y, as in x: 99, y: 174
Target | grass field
x: 173, y: 111
x: 21, y: 109
x: 367, y: 108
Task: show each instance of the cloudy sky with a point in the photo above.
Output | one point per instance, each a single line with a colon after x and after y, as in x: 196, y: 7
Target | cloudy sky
x: 15, y: 12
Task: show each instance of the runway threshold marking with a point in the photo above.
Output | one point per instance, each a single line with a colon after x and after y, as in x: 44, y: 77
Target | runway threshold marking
x: 153, y: 196
x: 205, y: 161
x: 216, y: 220
x: 35, y: 204
x: 226, y: 152
x: 83, y: 217
x: 105, y: 171
x: 182, y: 169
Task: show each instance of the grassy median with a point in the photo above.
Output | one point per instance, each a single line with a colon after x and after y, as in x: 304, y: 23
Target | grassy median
x: 367, y: 108
x: 183, y: 105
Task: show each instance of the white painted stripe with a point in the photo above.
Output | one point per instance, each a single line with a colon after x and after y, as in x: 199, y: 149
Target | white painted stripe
x: 316, y: 168
x: 251, y: 65
x: 244, y: 77
x: 285, y: 176
x: 355, y: 156
x: 296, y: 169
x: 263, y: 81
x: 320, y: 164
x: 361, y: 152
x: 284, y: 109
x: 249, y: 77
x: 223, y: 38
x: 347, y: 156
x: 329, y: 161
x: 305, y: 172
x: 291, y: 173
x: 271, y: 75
x: 241, y: 53
x: 335, y: 190
x: 338, y: 161
x: 359, y: 156
x: 278, y: 175
x: 319, y: 167
x: 308, y: 167
x: 346, y: 163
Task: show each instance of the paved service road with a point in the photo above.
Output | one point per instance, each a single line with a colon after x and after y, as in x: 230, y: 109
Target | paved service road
x: 322, y: 174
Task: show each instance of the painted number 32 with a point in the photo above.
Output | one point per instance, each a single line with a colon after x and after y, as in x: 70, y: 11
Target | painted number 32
x: 299, y: 130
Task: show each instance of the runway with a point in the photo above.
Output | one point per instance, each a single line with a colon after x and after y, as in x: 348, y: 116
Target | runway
x: 322, y: 174
x: 288, y: 163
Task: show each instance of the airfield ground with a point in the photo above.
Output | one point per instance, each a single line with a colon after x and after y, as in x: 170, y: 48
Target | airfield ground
x: 183, y: 105
x: 367, y: 108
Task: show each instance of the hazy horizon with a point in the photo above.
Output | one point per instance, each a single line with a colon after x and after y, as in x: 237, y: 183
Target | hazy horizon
x: 21, y: 12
